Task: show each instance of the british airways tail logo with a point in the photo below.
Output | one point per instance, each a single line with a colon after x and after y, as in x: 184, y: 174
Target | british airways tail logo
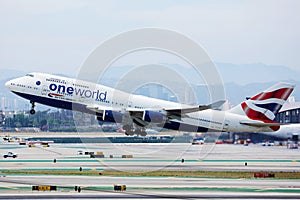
x: 59, y: 90
x: 266, y: 105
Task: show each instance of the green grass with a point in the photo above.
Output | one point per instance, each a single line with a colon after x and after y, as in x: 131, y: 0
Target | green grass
x: 208, y: 174
x: 162, y: 173
x: 51, y: 172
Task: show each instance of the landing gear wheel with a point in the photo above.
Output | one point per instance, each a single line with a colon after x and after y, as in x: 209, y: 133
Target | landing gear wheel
x: 138, y: 132
x: 130, y: 133
x: 128, y: 130
x: 32, y: 111
x: 141, y: 132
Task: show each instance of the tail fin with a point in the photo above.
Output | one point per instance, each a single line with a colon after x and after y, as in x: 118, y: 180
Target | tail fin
x: 265, y: 105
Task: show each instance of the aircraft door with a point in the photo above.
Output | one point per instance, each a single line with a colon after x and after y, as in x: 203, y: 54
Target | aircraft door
x: 129, y: 104
x: 226, y: 125
x: 44, y: 90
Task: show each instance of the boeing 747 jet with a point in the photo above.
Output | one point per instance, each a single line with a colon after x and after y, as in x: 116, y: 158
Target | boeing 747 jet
x: 137, y: 112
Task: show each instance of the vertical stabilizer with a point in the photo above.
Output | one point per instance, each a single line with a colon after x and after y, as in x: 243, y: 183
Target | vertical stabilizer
x: 265, y: 105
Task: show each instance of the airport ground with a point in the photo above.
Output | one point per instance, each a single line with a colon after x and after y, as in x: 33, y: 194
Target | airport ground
x: 147, y: 158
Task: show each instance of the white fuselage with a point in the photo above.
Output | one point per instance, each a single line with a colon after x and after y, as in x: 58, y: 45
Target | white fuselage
x: 68, y: 93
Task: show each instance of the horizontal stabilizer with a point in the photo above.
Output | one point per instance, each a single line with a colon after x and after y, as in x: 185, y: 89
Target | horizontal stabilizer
x: 260, y: 124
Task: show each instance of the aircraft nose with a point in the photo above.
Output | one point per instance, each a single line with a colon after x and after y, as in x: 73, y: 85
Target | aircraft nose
x: 8, y: 84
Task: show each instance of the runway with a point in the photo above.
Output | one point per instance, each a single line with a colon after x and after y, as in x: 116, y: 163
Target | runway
x: 154, y: 195
x: 153, y: 187
x: 151, y: 157
x: 158, y: 183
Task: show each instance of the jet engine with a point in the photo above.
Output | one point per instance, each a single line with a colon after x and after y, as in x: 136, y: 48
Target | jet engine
x: 154, y: 116
x: 110, y: 116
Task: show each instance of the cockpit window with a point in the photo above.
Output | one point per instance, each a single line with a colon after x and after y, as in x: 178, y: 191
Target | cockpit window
x: 31, y: 75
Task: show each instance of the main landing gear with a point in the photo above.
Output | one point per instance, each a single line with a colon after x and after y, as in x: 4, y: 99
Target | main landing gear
x: 131, y: 130
x: 128, y: 129
x: 32, y: 111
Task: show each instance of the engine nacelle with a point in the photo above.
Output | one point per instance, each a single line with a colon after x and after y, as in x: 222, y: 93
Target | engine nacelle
x: 110, y: 116
x: 153, y: 116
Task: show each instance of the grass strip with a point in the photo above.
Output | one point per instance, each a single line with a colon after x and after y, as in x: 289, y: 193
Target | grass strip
x: 161, y: 173
x: 51, y: 172
x: 202, y: 174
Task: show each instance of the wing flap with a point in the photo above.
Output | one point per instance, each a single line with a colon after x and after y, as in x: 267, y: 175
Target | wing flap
x: 183, y: 111
x: 100, y: 109
x: 172, y: 113
x: 95, y: 108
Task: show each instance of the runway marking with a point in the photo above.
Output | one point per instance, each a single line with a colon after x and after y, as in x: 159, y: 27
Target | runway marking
x: 8, y: 187
x: 214, y: 189
x: 57, y: 160
x: 224, y: 189
x: 142, y: 160
x: 256, y: 160
x: 53, y: 169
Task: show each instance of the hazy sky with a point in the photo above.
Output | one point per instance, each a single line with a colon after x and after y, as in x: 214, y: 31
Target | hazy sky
x: 56, y: 36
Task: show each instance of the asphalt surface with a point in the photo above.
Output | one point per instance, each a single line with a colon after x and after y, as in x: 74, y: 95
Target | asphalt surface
x: 150, y: 187
x: 150, y: 157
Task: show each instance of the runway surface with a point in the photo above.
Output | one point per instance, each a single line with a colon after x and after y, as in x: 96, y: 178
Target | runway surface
x: 153, y: 195
x: 150, y: 157
x: 153, y: 187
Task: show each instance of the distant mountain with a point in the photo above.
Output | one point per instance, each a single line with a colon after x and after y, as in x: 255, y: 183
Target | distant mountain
x: 255, y: 73
x: 246, y: 80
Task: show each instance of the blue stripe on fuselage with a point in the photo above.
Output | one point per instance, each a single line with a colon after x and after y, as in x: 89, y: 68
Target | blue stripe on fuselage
x: 183, y: 127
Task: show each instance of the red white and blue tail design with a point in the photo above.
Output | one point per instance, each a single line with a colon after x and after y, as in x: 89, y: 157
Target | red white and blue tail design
x: 265, y: 105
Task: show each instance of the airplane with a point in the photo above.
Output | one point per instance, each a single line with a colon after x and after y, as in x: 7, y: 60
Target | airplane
x: 286, y: 131
x: 137, y: 112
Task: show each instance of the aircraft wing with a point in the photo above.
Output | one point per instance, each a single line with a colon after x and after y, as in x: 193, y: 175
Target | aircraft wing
x: 171, y: 111
x: 98, y: 108
x: 107, y: 113
x: 143, y: 117
x: 183, y: 111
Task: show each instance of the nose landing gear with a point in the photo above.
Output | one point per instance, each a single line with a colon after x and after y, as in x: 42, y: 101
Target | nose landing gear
x: 32, y: 111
